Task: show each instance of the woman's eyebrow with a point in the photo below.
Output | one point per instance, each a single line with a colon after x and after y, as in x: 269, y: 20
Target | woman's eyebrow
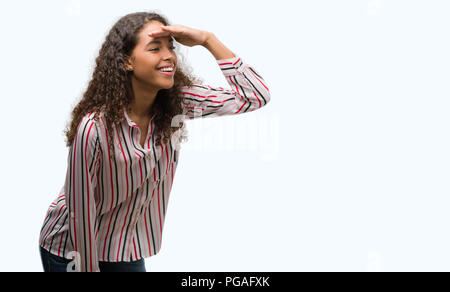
x: 159, y: 42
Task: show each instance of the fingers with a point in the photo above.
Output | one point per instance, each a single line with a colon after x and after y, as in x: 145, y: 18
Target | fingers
x: 174, y: 29
x: 163, y: 31
x: 159, y: 33
x: 170, y: 27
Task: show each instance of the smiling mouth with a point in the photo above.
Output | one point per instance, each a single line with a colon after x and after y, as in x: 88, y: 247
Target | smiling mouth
x: 169, y: 68
x: 167, y: 72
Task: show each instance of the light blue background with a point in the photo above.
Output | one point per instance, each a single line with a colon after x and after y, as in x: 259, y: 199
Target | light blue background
x: 347, y: 168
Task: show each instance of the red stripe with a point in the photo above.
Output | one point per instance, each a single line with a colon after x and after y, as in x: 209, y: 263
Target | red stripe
x: 154, y: 214
x: 193, y: 94
x: 146, y: 229
x: 221, y: 88
x: 167, y: 159
x: 159, y: 213
x: 140, y: 167
x: 125, y: 159
x: 135, y: 253
x: 60, y: 243
x: 240, y: 109
x: 259, y: 81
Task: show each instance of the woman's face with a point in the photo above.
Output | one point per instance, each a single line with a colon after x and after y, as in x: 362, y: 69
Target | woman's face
x: 150, y: 55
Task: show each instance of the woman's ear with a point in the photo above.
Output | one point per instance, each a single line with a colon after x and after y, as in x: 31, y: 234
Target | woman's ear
x: 128, y: 64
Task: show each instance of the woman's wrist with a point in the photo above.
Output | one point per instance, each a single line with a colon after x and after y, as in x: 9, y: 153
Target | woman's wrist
x: 209, y: 36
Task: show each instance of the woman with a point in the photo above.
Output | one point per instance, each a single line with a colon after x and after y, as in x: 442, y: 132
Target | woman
x: 124, y: 142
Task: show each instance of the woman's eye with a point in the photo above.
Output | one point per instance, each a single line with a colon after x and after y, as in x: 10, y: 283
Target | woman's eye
x: 173, y: 48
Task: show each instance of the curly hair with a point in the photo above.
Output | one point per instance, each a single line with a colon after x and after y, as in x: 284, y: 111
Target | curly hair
x: 110, y: 89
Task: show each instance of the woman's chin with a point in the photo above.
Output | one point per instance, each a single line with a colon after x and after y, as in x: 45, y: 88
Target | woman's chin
x: 167, y: 86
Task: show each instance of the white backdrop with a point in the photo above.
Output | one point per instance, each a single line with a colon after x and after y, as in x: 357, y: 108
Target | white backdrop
x: 346, y: 169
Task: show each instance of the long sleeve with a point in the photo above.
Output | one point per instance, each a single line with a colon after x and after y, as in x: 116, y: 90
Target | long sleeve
x: 248, y: 92
x: 81, y: 177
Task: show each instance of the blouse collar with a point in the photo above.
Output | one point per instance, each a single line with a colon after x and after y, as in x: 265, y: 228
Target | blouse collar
x: 130, y: 121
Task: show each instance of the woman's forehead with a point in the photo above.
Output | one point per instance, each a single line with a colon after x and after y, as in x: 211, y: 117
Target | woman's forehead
x: 152, y: 26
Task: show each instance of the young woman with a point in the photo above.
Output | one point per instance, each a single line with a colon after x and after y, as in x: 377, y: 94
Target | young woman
x: 124, y: 142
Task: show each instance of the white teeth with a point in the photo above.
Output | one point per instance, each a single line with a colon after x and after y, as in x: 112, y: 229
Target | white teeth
x: 166, y: 69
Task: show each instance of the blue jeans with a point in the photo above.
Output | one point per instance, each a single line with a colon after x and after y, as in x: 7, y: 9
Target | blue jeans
x: 53, y: 263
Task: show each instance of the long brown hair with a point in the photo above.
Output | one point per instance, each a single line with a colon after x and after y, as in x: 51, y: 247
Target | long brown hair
x: 110, y: 89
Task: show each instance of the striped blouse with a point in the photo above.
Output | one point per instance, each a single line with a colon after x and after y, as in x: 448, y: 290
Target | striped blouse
x: 114, y: 211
